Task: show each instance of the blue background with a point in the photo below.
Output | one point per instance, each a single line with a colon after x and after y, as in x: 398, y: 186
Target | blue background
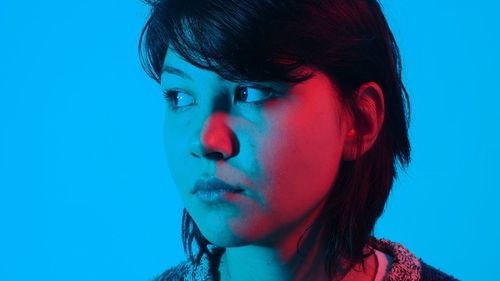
x: 85, y: 193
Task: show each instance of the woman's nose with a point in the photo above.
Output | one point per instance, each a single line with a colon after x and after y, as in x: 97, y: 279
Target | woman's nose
x: 216, y: 140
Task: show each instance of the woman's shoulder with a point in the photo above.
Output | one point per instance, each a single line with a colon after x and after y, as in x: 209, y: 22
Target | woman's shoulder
x: 405, y: 265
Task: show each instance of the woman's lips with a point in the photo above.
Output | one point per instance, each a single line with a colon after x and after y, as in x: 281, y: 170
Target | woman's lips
x: 214, y: 189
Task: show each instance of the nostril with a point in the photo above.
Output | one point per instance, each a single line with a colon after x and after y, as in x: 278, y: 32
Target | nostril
x: 215, y: 155
x: 195, y: 155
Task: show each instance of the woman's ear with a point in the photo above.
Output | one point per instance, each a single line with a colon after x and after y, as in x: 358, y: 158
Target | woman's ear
x: 367, y: 122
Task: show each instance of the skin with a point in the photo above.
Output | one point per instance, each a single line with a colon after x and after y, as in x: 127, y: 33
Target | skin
x: 283, y: 149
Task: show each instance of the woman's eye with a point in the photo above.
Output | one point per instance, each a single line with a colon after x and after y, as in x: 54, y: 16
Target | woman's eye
x: 253, y: 94
x: 177, y: 99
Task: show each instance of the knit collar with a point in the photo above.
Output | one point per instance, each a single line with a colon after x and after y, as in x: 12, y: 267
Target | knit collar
x: 404, y: 266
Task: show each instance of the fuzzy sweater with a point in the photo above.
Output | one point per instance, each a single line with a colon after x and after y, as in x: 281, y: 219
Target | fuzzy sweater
x: 404, y: 267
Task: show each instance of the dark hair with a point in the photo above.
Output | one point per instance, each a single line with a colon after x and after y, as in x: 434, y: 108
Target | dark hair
x: 349, y: 40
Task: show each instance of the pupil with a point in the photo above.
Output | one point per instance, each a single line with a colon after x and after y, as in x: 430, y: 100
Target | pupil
x: 177, y: 99
x: 244, y: 94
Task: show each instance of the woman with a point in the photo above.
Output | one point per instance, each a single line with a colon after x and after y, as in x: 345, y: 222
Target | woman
x: 285, y: 123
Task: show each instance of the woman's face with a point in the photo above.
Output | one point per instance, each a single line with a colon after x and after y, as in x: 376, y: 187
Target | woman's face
x: 278, y: 147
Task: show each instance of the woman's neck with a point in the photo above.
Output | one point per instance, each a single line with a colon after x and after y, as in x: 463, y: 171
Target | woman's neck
x: 281, y: 261
x: 258, y: 263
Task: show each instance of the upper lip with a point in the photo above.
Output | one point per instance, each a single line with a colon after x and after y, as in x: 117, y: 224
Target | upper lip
x: 213, y: 183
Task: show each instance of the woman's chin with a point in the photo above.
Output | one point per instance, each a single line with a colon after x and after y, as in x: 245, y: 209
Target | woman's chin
x: 223, y: 233
x: 223, y: 237
x: 222, y: 227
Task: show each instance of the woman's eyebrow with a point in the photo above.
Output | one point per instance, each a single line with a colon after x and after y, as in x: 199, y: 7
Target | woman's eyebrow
x: 176, y: 71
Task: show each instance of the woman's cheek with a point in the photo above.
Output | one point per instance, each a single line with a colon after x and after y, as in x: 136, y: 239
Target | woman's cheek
x: 300, y: 157
x: 175, y: 152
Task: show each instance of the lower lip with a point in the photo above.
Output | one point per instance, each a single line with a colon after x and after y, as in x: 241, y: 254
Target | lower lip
x: 216, y: 195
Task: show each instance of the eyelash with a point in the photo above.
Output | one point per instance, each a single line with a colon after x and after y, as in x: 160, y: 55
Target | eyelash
x: 270, y: 92
x: 170, y: 96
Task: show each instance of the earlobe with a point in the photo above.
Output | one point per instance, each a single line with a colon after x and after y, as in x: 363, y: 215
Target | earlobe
x: 368, y: 117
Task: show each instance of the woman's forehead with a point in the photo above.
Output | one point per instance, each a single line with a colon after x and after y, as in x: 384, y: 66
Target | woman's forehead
x: 175, y: 63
